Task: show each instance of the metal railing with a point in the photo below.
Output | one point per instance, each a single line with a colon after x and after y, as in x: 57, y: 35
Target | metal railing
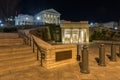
x: 41, y: 50
x: 29, y: 41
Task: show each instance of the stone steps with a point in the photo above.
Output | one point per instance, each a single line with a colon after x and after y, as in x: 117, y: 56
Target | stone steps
x: 9, y: 57
x: 17, y: 67
x: 17, y: 60
x: 8, y: 35
x: 14, y: 48
x: 14, y: 51
x: 11, y: 42
x: 14, y: 55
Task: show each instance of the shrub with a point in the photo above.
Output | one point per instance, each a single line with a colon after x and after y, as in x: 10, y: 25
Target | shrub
x: 9, y: 29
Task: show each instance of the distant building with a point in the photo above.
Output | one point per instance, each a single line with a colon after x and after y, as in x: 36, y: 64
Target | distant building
x: 112, y: 25
x: 75, y: 32
x: 49, y: 16
x: 119, y: 24
x: 24, y: 20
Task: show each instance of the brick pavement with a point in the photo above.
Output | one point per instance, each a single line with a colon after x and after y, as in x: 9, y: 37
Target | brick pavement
x: 72, y: 71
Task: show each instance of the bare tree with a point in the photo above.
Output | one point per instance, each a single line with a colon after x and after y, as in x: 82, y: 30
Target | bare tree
x: 8, y: 8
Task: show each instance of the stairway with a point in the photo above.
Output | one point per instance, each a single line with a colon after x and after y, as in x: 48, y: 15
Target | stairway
x: 14, y: 55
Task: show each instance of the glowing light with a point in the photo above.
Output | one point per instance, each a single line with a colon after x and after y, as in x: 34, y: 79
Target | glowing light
x: 116, y: 28
x: 91, y: 24
x: 0, y: 21
x: 1, y: 25
x: 38, y: 18
x: 26, y: 18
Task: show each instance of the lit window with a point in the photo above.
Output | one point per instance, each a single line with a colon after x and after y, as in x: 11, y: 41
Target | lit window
x: 48, y: 15
x: 51, y: 16
x: 44, y: 15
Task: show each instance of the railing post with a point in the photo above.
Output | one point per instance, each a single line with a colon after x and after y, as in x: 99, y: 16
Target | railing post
x: 37, y: 54
x: 30, y: 41
x: 41, y: 59
x: 25, y: 41
x: 84, y: 66
x: 78, y: 52
x: 33, y: 47
x: 102, y: 55
x: 113, y: 52
x: 119, y: 51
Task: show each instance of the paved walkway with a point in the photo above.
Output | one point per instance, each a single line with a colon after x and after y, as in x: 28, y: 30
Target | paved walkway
x: 72, y: 71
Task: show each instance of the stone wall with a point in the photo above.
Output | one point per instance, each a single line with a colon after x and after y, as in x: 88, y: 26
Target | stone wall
x: 52, y: 50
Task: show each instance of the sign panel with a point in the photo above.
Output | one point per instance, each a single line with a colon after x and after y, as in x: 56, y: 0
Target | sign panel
x: 63, y: 55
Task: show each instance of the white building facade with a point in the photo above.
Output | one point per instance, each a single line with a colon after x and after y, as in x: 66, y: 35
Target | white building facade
x: 113, y: 25
x: 49, y: 16
x: 24, y: 20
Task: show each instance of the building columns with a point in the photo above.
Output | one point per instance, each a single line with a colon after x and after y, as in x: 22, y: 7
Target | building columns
x: 82, y: 36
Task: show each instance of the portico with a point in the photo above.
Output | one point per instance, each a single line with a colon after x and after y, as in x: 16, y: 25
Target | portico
x: 75, y: 32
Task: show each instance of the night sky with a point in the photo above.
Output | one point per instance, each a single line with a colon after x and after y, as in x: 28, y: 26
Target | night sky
x: 75, y: 10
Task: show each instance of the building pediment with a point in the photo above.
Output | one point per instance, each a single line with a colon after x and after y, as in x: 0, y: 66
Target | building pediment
x: 50, y: 11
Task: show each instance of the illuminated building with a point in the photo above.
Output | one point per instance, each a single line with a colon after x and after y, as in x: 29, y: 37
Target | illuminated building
x: 112, y: 25
x: 49, y: 16
x: 75, y: 32
x: 24, y: 20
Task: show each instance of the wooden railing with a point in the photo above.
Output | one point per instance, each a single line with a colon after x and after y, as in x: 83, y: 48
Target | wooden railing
x: 29, y: 41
